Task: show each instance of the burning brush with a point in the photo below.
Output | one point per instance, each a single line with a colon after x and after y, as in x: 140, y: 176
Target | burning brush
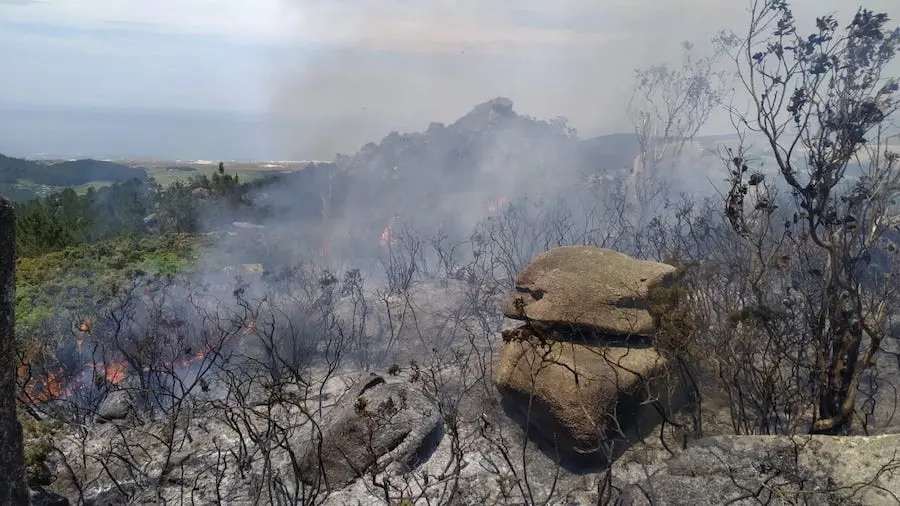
x: 83, y: 329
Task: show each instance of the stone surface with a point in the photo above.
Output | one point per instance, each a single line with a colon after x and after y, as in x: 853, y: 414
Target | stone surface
x: 376, y: 423
x: 13, y: 487
x: 115, y: 406
x: 776, y: 470
x: 41, y: 497
x: 575, y: 392
x: 124, y: 399
x: 595, y: 289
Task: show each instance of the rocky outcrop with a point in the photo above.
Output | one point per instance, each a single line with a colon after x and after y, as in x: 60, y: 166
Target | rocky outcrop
x: 13, y: 488
x: 775, y: 469
x: 41, y: 497
x: 376, y: 424
x: 595, y: 290
x: 117, y: 405
x: 571, y: 373
x: 580, y: 391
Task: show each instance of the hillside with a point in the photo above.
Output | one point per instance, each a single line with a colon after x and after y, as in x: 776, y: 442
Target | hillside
x: 451, y: 169
x: 22, y: 179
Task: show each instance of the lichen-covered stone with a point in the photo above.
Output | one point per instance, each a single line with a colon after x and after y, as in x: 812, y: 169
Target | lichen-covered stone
x: 574, y: 393
x: 597, y: 290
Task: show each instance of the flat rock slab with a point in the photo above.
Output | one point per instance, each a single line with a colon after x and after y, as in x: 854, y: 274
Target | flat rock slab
x: 743, y: 470
x: 595, y: 289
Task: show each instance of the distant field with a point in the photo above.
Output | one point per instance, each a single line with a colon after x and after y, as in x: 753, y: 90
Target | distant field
x: 166, y: 172
x: 166, y: 176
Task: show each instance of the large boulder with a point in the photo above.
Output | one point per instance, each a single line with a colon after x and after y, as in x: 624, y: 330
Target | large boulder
x: 376, y: 424
x: 575, y: 394
x: 117, y: 405
x: 123, y: 400
x: 596, y: 290
x: 773, y: 469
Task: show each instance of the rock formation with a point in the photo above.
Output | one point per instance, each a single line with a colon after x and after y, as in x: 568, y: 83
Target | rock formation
x: 13, y: 488
x: 376, y: 423
x: 575, y: 370
x: 774, y: 469
x: 593, y: 290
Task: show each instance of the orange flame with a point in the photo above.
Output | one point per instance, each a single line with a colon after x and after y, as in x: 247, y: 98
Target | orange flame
x: 114, y: 372
x: 497, y: 205
x: 45, y: 389
x: 198, y: 357
x: 52, y: 385
x: 386, y: 235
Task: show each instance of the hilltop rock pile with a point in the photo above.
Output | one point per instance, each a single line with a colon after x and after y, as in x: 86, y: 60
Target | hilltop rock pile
x: 581, y: 365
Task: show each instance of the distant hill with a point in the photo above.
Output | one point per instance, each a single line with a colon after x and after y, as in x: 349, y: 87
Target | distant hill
x: 450, y: 170
x: 609, y: 152
x: 69, y: 173
x: 17, y: 175
x: 491, y: 147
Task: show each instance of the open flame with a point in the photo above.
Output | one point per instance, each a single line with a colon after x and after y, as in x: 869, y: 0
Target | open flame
x: 325, y: 249
x: 83, y: 329
x: 114, y: 372
x: 387, y: 238
x: 497, y: 205
x: 51, y: 387
x: 198, y: 357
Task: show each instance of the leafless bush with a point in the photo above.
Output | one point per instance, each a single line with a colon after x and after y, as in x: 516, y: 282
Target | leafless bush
x: 822, y: 98
x: 402, y: 259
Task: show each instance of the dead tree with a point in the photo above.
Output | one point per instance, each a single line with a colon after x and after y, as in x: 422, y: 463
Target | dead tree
x: 822, y: 106
x: 670, y: 105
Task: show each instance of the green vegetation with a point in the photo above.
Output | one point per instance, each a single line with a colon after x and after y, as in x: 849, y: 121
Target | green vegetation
x: 70, y: 173
x: 166, y: 176
x: 132, y: 208
x: 62, y: 285
x: 66, y: 218
x: 38, y: 436
x: 74, y: 249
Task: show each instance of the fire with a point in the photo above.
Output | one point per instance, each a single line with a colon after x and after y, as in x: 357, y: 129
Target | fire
x: 325, y: 249
x: 198, y: 357
x: 387, y: 238
x: 497, y: 205
x: 50, y: 387
x: 85, y: 326
x: 114, y: 372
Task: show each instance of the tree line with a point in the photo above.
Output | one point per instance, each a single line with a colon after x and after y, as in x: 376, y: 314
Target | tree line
x: 131, y: 208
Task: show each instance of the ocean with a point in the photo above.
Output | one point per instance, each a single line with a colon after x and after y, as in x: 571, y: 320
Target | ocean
x: 45, y: 132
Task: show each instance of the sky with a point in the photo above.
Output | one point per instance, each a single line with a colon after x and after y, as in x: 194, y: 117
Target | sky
x: 359, y: 66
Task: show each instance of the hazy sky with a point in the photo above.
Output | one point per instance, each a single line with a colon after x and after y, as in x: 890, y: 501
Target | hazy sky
x: 395, y: 62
